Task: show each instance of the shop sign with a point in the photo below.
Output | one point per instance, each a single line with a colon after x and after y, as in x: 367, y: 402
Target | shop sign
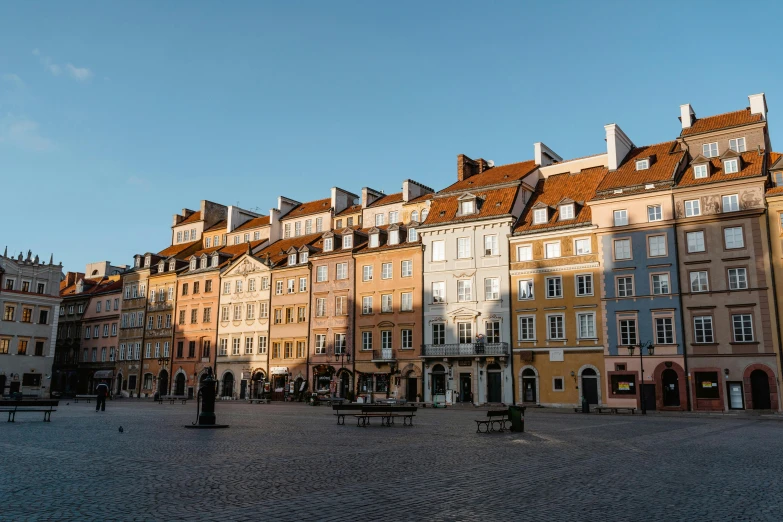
x: 465, y: 362
x: 278, y: 370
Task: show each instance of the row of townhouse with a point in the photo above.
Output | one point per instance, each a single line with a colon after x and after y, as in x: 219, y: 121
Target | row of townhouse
x: 642, y: 275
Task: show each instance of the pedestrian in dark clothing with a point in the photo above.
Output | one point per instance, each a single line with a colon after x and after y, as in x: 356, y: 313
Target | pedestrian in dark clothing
x: 102, y: 390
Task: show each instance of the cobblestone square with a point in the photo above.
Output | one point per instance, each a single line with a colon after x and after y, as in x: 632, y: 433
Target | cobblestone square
x: 292, y: 462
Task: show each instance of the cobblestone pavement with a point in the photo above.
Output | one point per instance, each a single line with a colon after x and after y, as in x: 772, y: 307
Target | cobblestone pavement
x: 292, y: 462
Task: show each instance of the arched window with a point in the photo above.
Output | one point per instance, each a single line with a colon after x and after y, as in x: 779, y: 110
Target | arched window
x: 415, y: 215
x: 424, y: 214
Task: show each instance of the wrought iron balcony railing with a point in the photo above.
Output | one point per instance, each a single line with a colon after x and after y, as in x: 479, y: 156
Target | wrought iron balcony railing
x: 384, y: 354
x: 464, y: 350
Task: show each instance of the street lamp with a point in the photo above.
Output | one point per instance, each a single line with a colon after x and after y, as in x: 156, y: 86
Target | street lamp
x: 650, y: 351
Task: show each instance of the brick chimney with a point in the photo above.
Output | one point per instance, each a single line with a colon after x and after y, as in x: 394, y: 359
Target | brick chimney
x: 467, y: 167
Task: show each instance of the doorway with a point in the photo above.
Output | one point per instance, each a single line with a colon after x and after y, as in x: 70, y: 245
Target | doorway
x: 590, y: 386
x: 411, y: 387
x: 119, y: 384
x: 649, y: 397
x: 179, y: 384
x: 494, y: 380
x: 228, y: 385
x: 242, y: 389
x: 345, y: 384
x: 759, y: 389
x: 15, y: 386
x: 438, y: 388
x: 529, y: 385
x: 736, y: 401
x: 465, y: 388
x: 163, y: 383
x: 671, y: 388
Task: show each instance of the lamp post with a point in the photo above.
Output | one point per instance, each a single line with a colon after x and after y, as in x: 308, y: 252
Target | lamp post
x: 650, y: 351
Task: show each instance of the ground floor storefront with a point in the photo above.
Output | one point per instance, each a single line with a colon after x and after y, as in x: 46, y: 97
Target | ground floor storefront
x: 734, y: 383
x: 469, y: 380
x: 239, y: 380
x: 559, y: 377
x: 26, y: 375
x: 331, y: 381
x: 664, y: 386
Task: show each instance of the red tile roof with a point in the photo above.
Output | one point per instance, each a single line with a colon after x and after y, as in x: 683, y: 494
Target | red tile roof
x: 493, y: 176
x: 386, y: 200
x: 175, y: 250
x: 751, y: 165
x: 579, y: 187
x: 196, y: 216
x: 253, y: 223
x: 277, y: 250
x: 241, y: 248
x: 492, y: 203
x: 220, y: 225
x: 311, y: 207
x: 664, y: 161
x: 421, y: 198
x: 721, y: 121
x: 353, y: 209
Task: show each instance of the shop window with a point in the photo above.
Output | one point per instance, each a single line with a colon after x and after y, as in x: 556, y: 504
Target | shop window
x: 382, y: 383
x: 623, y: 384
x: 706, y: 385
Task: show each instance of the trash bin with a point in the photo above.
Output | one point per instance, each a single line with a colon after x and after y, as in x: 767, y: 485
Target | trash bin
x: 517, y: 416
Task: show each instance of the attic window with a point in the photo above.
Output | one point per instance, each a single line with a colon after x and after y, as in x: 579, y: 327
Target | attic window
x: 328, y: 244
x: 138, y: 262
x: 374, y: 240
x: 394, y: 237
x: 192, y: 264
x: 215, y: 260
x: 467, y: 207
x: 778, y: 177
x: 539, y: 216
x: 161, y: 266
x: 567, y: 211
x: 731, y: 166
x: 147, y: 260
x: 347, y: 241
x: 412, y: 235
x: 172, y: 265
x: 291, y: 259
x: 303, y: 257
x: 700, y: 171
x: 643, y: 164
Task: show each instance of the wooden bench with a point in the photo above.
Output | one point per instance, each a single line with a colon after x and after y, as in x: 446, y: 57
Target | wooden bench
x: 87, y: 398
x: 337, y: 408
x: 387, y: 414
x: 258, y: 401
x: 607, y: 409
x: 498, y: 417
x: 172, y: 398
x: 632, y: 411
x: 13, y: 407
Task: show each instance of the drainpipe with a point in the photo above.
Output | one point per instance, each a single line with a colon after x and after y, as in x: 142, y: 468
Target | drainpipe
x: 510, y: 324
x: 774, y: 295
x: 682, y: 315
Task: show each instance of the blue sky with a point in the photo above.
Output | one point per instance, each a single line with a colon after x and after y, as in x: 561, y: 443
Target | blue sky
x: 114, y: 116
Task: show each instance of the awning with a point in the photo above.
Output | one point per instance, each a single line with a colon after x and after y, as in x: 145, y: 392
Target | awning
x: 103, y: 374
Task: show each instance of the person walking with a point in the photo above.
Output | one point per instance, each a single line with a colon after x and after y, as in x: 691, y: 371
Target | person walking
x: 102, y: 390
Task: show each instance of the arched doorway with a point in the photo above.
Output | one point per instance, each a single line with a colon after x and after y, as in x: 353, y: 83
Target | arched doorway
x: 179, y: 384
x: 590, y: 386
x: 438, y: 383
x: 228, y: 385
x: 257, y: 385
x: 119, y: 384
x: 163, y: 383
x: 494, y: 383
x: 529, y: 385
x: 344, y: 387
x: 759, y: 390
x: 411, y: 386
x: 671, y: 388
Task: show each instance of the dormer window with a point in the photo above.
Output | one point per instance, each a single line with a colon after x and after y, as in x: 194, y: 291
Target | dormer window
x: 328, y: 244
x: 347, y: 241
x: 737, y: 144
x: 394, y: 237
x: 467, y: 207
x: 374, y: 240
x: 539, y: 216
x: 731, y: 166
x: 303, y: 256
x: 215, y: 261
x: 192, y: 264
x: 700, y: 171
x: 161, y: 266
x: 291, y: 259
x: 415, y: 215
x: 643, y: 164
x: 412, y: 235
x: 137, y: 263
x: 172, y: 265
x: 424, y: 214
x: 204, y: 263
x: 147, y: 261
x: 567, y: 211
x: 778, y: 178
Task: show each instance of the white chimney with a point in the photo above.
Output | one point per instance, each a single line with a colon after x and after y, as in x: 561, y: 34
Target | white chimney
x: 758, y: 105
x: 687, y: 115
x: 544, y: 155
x: 618, y: 145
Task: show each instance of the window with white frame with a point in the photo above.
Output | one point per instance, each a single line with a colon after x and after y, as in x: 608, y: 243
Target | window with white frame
x: 464, y: 290
x: 265, y: 283
x: 660, y: 284
x: 342, y: 271
x: 320, y: 344
x: 552, y: 250
x: 730, y: 203
x: 620, y: 218
x: 321, y: 273
x: 699, y: 281
x: 406, y: 268
x: 742, y: 326
x: 540, y: 216
x: 491, y: 289
x: 737, y: 144
x: 622, y: 249
x: 527, y: 327
x: 654, y: 213
x: 348, y: 241
x: 584, y: 284
x: 303, y: 257
x: 463, y: 247
x: 319, y: 224
x: 438, y: 251
x: 328, y: 244
x: 555, y: 327
x: 656, y: 246
x: 702, y: 329
x: 554, y: 287
x: 664, y: 330
x: 525, y: 289
x: 567, y: 211
x: 367, y: 304
x: 695, y: 241
x: 738, y: 279
x: 586, y: 325
x: 625, y: 286
x: 256, y: 235
x: 465, y: 333
x: 525, y: 253
x: 263, y: 310
x: 628, y: 335
x: 491, y: 245
x: 387, y: 303
x: 467, y: 207
x: 582, y: 246
x: 412, y: 235
x: 320, y: 307
x: 731, y: 166
x: 439, y: 292
x: 339, y: 305
x: 308, y: 226
x: 224, y: 314
x: 224, y: 347
x: 394, y: 217
x: 366, y: 341
x: 386, y: 270
x: 291, y: 287
x: 367, y: 273
x: 297, y: 229
x: 248, y: 345
x: 339, y: 343
x: 374, y: 240
x: 291, y: 259
x: 406, y: 339
x: 643, y: 164
x: 692, y: 208
x: 237, y: 312
x: 732, y: 237
x: 235, y: 346
x: 700, y: 171
x: 279, y: 287
x: 710, y: 150
x: 406, y: 301
x: 262, y: 345
x: 379, y: 219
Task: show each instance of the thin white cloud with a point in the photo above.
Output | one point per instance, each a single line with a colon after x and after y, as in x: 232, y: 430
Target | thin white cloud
x: 24, y: 134
x: 14, y: 79
x: 80, y: 74
x: 138, y: 182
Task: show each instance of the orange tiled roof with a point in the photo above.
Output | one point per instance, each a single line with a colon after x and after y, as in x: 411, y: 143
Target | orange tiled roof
x: 94, y: 286
x: 421, y: 198
x: 175, y: 250
x: 196, y: 216
x: 721, y: 121
x: 207, y: 251
x: 311, y: 207
x: 774, y: 157
x: 493, y: 176
x: 579, y: 187
x: 277, y: 250
x: 751, y: 165
x: 240, y: 248
x: 664, y: 160
x: 492, y: 203
x: 220, y: 225
x: 386, y: 200
x: 353, y: 209
x: 253, y: 223
x: 384, y: 245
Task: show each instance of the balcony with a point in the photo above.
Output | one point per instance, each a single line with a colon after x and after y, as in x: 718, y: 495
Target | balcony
x: 159, y: 306
x: 465, y: 350
x: 384, y: 355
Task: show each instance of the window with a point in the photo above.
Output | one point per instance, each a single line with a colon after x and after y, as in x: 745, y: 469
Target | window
x: 406, y: 269
x: 584, y: 284
x: 237, y: 312
x: 582, y: 246
x: 463, y: 247
x: 114, y: 329
x: 386, y: 271
x: 540, y: 216
x: 702, y: 329
x: 319, y: 224
x: 278, y: 316
x: 234, y: 346
x: 742, y: 325
x: 308, y: 226
x: 87, y: 331
x: 464, y: 290
x: 406, y: 302
x: 289, y: 315
x: 366, y: 340
x: 554, y: 287
x: 656, y: 246
x: 491, y: 245
x: 664, y: 330
x: 320, y: 307
x: 379, y: 219
x: 491, y: 289
x: 236, y: 239
x: 566, y: 212
x: 622, y: 249
x: 778, y: 178
x: 660, y: 284
x: 623, y: 384
x: 555, y: 327
x: 643, y: 164
x: 737, y: 144
x: 27, y: 316
x: 303, y: 257
x: 438, y: 251
x: 695, y: 241
x: 328, y: 244
x: 527, y: 330
x: 625, y: 286
x: 262, y: 344
x: 227, y: 287
x: 710, y: 150
x: 374, y: 240
x: 223, y: 347
x: 223, y: 315
x: 692, y: 208
x: 700, y: 171
x: 525, y: 253
x: 412, y: 235
x: 467, y: 207
x: 275, y: 350
x: 406, y: 339
x: 367, y: 273
x: 207, y: 317
x: 439, y: 292
x: 342, y: 271
x: 250, y: 313
x: 300, y: 349
x: 738, y: 279
x: 287, y: 230
x: 238, y: 286
x: 654, y: 213
x: 179, y: 236
x: 730, y: 203
x: 264, y: 283
x: 279, y: 287
x: 733, y: 237
x: 699, y: 281
x: 347, y: 241
x: 321, y: 273
x: 628, y: 332
x: 552, y: 249
x: 706, y: 384
x: 367, y: 304
x: 291, y: 259
x: 620, y: 218
x: 320, y: 344
x: 492, y: 330
x: 731, y: 166
x: 586, y: 325
x: 525, y: 289
x: 263, y: 310
x: 340, y: 307
x: 465, y: 333
x: 297, y: 229
x: 438, y: 334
